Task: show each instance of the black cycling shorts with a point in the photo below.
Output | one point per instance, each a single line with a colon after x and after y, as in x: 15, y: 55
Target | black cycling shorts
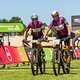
x: 67, y: 42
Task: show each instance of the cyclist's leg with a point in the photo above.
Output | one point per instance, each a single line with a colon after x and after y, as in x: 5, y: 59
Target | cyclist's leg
x: 41, y: 51
x: 67, y: 43
x: 41, y: 48
x: 39, y: 44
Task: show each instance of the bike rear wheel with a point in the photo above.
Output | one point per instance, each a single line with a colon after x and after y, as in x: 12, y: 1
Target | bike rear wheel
x: 56, y: 61
x: 34, y: 61
x: 64, y: 57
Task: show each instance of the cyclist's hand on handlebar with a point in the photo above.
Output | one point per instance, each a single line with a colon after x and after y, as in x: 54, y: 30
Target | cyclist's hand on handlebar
x: 68, y: 37
x: 24, y: 40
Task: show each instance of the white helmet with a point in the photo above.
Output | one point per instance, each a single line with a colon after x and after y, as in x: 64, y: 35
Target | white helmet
x: 34, y: 16
x: 55, y: 13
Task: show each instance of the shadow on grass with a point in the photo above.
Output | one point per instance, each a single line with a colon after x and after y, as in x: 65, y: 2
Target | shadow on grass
x: 73, y: 73
x: 49, y: 73
x: 75, y: 67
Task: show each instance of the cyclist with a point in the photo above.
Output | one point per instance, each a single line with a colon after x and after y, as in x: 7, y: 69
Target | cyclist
x: 36, y: 31
x: 63, y: 30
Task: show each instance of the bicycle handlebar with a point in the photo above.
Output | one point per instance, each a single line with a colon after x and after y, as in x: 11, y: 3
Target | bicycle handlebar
x: 35, y: 41
x: 65, y: 39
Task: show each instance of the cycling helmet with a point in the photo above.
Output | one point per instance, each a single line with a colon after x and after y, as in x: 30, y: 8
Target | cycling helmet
x: 34, y: 16
x: 55, y: 13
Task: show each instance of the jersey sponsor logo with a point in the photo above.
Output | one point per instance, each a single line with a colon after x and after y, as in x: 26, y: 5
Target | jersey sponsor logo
x: 36, y: 30
x: 61, y: 26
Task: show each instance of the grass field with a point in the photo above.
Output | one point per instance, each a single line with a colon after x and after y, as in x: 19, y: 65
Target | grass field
x: 23, y: 72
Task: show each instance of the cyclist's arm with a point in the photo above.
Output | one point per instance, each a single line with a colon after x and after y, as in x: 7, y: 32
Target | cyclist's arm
x: 26, y: 32
x: 69, y: 30
x: 46, y: 32
x: 25, y: 35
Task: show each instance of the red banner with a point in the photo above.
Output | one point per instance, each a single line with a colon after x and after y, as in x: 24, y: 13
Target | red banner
x: 22, y: 54
x: 10, y: 54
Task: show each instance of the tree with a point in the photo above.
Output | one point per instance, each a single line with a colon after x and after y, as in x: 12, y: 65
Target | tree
x: 3, y: 20
x: 15, y: 19
x: 45, y: 25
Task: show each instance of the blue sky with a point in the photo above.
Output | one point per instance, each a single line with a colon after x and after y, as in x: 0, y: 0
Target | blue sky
x: 24, y: 9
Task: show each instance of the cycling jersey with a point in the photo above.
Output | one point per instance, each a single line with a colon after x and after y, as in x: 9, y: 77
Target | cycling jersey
x: 36, y: 30
x: 61, y: 24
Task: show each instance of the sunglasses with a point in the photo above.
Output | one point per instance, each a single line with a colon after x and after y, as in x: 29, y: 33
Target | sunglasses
x: 34, y: 19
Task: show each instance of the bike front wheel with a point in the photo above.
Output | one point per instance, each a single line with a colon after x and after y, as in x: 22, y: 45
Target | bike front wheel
x: 34, y: 62
x: 42, y: 63
x: 56, y: 61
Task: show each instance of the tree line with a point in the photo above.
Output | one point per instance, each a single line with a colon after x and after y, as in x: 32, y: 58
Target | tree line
x: 14, y: 19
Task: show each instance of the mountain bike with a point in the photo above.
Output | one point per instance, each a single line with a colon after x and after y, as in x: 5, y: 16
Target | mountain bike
x: 59, y: 56
x: 37, y: 58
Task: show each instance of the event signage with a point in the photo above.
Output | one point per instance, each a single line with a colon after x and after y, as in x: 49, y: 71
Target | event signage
x: 11, y: 27
x: 75, y: 20
x: 75, y: 23
x: 76, y: 42
x: 76, y: 46
x: 10, y: 54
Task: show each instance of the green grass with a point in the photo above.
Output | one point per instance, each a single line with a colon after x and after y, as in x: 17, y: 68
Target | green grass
x: 23, y: 72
